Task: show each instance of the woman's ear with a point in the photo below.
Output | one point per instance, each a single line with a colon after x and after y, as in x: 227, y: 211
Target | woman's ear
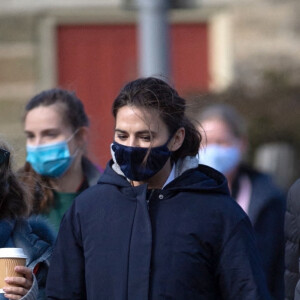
x: 177, y: 139
x: 82, y: 136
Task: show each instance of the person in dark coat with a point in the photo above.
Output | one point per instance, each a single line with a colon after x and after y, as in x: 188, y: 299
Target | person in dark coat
x: 157, y: 225
x: 254, y: 191
x: 292, y: 244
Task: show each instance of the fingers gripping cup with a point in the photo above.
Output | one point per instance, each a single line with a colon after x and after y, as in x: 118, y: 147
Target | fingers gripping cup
x: 9, y: 259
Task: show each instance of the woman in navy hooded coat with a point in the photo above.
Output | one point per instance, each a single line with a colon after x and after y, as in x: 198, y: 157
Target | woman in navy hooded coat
x: 157, y: 225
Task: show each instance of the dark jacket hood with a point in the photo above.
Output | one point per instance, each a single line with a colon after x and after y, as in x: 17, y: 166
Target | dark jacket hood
x: 205, y: 179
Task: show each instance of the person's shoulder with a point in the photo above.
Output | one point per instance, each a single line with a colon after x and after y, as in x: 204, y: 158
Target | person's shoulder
x: 92, y: 191
x: 230, y: 208
x: 295, y: 188
x: 293, y: 199
x: 35, y: 235
x: 225, y: 214
x: 263, y: 184
x: 91, y: 171
x: 92, y: 196
x: 256, y: 176
x: 217, y: 205
x: 42, y: 228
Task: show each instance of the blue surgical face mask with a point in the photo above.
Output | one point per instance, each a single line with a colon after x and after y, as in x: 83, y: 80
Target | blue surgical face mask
x: 131, y: 160
x: 221, y: 158
x: 51, y: 160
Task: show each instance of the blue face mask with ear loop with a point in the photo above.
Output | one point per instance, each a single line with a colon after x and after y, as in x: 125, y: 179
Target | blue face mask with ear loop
x: 221, y: 158
x: 51, y: 160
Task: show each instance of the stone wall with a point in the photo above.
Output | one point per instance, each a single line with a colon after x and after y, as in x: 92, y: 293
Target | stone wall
x: 18, y: 76
x: 266, y: 37
x: 17, y: 56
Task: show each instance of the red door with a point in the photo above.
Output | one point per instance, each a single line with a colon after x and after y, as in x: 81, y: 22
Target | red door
x: 190, y: 57
x: 97, y: 60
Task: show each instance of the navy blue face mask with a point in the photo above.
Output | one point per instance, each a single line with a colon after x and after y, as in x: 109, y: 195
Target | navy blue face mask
x: 131, y: 160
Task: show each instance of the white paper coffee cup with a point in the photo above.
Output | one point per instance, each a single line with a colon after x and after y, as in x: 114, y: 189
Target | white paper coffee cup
x: 9, y: 259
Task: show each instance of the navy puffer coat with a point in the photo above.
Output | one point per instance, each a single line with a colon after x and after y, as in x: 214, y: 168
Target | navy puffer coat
x: 292, y: 245
x: 189, y: 241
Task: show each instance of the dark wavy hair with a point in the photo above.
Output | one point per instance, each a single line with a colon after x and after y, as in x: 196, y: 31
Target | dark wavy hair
x: 14, y: 196
x: 154, y: 93
x: 74, y: 115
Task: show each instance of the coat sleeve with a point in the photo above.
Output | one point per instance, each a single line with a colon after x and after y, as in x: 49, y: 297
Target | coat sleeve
x: 66, y: 276
x: 292, y: 241
x: 33, y: 292
x: 239, y: 270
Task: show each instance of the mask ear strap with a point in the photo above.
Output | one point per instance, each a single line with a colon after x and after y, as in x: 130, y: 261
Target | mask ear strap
x: 69, y: 139
x: 75, y: 152
x: 72, y: 135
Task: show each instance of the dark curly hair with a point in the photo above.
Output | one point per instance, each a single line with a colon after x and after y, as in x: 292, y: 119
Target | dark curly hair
x: 14, y: 196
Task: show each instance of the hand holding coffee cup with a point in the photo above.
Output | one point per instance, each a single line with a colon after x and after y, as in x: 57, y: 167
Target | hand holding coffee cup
x: 18, y: 287
x: 15, y: 278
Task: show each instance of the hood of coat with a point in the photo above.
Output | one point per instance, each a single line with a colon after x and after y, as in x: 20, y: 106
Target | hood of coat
x: 188, y: 177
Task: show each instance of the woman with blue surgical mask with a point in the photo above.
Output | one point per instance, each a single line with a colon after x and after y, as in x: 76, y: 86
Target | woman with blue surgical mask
x: 223, y: 148
x: 225, y: 144
x: 56, y: 128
